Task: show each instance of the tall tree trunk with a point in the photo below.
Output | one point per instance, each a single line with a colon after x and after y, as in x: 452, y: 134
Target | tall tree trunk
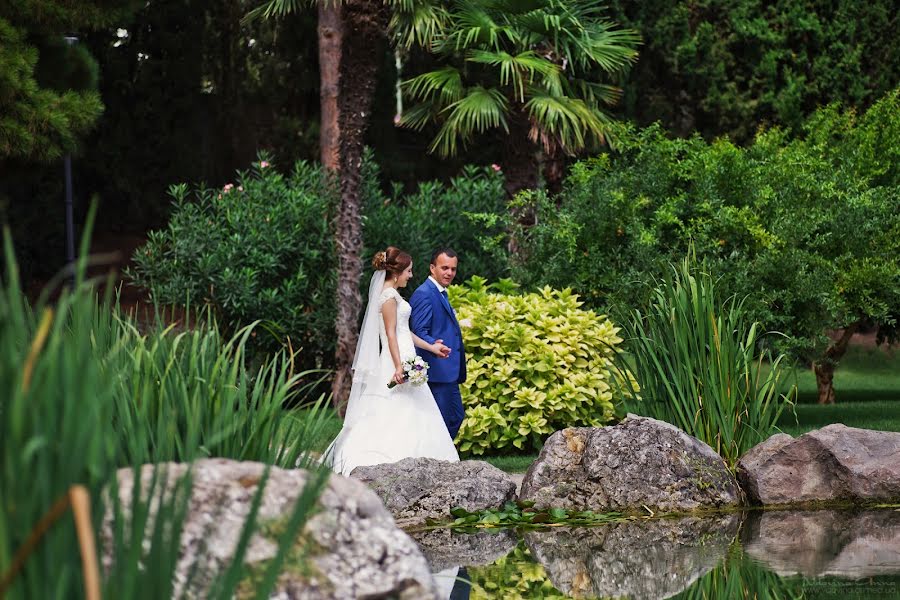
x: 520, y: 164
x: 520, y: 171
x: 824, y: 367
x: 554, y: 168
x: 364, y: 26
x: 330, y: 32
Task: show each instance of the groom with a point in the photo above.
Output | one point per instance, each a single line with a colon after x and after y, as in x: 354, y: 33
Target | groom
x: 433, y: 319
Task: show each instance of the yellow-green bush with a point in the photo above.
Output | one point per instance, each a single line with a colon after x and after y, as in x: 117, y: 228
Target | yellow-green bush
x: 536, y: 363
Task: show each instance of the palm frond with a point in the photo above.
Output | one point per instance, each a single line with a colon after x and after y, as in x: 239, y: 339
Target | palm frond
x: 279, y: 8
x: 610, y: 49
x: 474, y: 25
x: 479, y: 110
x: 443, y: 85
x: 516, y: 70
x: 563, y: 121
x: 419, y: 115
x: 595, y: 93
x: 417, y: 22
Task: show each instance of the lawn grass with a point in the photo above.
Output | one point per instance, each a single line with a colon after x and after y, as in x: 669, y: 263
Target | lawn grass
x: 510, y: 464
x: 883, y: 415
x: 864, y: 375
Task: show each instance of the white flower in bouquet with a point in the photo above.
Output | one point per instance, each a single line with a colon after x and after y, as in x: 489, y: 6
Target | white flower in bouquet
x: 415, y: 371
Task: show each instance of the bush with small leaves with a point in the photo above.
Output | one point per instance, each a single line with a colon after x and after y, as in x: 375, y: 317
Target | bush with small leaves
x: 260, y: 249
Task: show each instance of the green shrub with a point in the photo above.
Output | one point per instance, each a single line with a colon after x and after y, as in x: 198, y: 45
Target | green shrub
x: 257, y: 250
x: 437, y: 214
x: 699, y: 365
x: 536, y: 363
x: 807, y: 229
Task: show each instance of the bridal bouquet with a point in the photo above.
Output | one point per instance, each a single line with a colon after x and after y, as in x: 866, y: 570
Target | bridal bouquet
x: 415, y: 371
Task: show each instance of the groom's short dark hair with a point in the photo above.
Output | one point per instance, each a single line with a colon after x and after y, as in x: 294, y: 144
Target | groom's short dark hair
x: 448, y: 251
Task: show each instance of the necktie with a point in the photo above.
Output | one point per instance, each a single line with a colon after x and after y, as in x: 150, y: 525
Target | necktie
x: 447, y: 300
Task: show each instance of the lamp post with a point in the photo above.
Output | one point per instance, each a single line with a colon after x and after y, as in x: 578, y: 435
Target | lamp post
x: 67, y: 168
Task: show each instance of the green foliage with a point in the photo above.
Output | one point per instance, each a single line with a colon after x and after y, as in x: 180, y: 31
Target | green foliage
x: 257, y: 250
x: 807, y: 228
x: 523, y: 515
x: 48, y: 100
x: 436, y: 215
x: 698, y: 362
x: 84, y: 393
x: 725, y: 67
x: 536, y: 363
x: 543, y: 61
x: 37, y: 122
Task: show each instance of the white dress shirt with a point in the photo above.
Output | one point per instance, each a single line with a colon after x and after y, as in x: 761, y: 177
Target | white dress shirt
x: 440, y: 288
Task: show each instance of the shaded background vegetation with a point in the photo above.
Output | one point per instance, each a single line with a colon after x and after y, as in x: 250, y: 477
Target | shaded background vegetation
x: 190, y: 93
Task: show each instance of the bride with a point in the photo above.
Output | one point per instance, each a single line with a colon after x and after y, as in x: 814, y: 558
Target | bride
x: 382, y: 424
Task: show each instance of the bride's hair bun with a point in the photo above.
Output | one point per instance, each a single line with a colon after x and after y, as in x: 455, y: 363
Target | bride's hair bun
x: 379, y: 262
x: 393, y: 260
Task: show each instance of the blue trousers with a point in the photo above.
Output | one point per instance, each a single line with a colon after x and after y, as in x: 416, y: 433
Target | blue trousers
x: 449, y: 401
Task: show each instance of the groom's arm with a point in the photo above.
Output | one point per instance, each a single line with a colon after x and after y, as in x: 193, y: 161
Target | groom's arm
x: 422, y: 313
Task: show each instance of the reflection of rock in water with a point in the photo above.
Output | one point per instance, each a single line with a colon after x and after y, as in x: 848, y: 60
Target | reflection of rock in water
x: 445, y: 548
x: 825, y: 542
x: 637, y: 559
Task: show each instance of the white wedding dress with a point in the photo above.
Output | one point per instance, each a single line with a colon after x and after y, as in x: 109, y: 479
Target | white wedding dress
x: 386, y: 425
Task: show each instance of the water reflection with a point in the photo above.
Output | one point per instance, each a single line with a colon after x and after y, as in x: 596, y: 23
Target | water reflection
x: 643, y: 560
x: 825, y: 542
x: 798, y: 554
x: 445, y: 548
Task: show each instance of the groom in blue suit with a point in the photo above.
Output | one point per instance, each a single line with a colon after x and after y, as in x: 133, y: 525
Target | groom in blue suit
x: 433, y: 319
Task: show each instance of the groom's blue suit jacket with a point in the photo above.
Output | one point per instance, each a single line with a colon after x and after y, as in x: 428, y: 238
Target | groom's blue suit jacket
x: 433, y: 319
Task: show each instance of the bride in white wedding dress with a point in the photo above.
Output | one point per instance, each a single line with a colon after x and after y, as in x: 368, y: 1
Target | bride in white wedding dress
x: 384, y: 425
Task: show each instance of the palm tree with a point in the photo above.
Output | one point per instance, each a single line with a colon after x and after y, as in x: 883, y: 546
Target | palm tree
x: 534, y: 69
x: 351, y: 38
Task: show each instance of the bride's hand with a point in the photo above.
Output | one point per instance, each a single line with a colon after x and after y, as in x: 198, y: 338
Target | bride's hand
x: 399, y: 376
x: 440, y: 349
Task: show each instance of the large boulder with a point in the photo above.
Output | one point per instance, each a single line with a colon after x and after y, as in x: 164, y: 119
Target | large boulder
x: 833, y: 464
x: 637, y: 464
x: 358, y: 551
x: 641, y: 559
x: 417, y: 489
x: 825, y: 543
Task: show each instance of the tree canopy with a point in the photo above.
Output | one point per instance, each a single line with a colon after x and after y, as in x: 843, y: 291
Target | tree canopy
x: 48, y: 96
x: 727, y: 67
x: 539, y: 71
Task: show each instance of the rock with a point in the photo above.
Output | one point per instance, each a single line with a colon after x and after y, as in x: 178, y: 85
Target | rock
x: 638, y: 463
x: 644, y: 559
x: 823, y: 543
x: 445, y: 548
x: 833, y: 464
x: 416, y: 489
x: 358, y: 551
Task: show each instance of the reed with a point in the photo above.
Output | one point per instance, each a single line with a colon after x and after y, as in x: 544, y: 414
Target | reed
x: 702, y: 364
x: 83, y: 392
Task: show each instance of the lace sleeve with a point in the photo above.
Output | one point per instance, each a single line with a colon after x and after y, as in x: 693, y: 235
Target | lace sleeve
x: 388, y: 294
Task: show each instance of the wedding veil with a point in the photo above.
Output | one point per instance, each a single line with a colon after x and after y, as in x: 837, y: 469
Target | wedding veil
x: 366, y: 360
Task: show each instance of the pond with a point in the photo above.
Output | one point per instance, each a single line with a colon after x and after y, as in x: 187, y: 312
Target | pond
x: 833, y: 554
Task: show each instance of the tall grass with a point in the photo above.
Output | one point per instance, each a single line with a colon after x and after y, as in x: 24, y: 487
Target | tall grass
x: 83, y: 392
x: 701, y: 364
